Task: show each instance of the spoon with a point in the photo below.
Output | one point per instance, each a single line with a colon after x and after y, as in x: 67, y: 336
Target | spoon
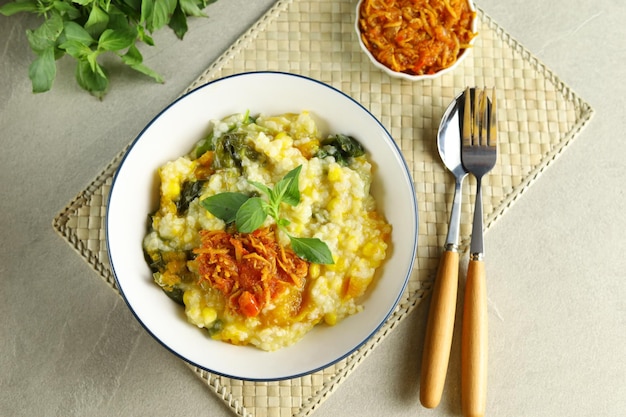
x: 440, y: 326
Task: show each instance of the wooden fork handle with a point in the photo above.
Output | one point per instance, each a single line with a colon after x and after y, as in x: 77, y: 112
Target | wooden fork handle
x: 439, y: 330
x: 474, y: 342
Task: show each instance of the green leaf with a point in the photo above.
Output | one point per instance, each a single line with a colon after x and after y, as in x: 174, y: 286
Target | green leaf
x: 134, y: 4
x: 83, y: 2
x: 38, y: 43
x: 105, y: 4
x: 119, y: 20
x: 224, y: 205
x: 93, y: 81
x: 251, y: 215
x: 283, y: 222
x: 147, y: 10
x: 75, y: 48
x: 66, y: 9
x: 42, y: 71
x: 189, y: 192
x: 143, y: 36
x: 132, y: 56
x: 75, y: 32
x: 287, y: 189
x: 341, y: 147
x: 148, y: 71
x: 46, y: 35
x: 133, y: 59
x: 162, y: 11
x: 97, y: 21
x: 12, y: 8
x: 204, y: 145
x: 312, y: 250
x: 115, y: 40
x: 266, y: 190
x: 92, y: 58
x: 178, y: 22
x: 190, y: 8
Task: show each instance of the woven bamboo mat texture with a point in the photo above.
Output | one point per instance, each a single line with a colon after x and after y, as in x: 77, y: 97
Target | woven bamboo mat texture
x: 539, y: 116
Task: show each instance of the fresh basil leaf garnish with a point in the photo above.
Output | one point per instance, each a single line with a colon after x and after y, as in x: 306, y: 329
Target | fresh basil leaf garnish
x: 312, y: 250
x: 224, y: 205
x: 287, y: 189
x: 250, y: 215
x: 266, y: 190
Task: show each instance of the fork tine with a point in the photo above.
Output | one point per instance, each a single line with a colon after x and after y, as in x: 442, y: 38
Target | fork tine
x: 475, y: 116
x: 493, y: 130
x: 479, y: 118
x: 482, y: 119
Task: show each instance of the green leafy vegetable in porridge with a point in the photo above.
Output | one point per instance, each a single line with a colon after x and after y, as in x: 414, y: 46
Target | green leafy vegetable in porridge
x: 342, y: 148
x: 190, y: 191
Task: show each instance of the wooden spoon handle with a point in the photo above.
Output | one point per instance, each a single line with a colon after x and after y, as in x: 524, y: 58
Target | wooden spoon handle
x: 439, y: 330
x: 474, y: 342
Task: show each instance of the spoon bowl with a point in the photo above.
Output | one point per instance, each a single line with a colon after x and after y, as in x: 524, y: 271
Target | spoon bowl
x: 449, y: 138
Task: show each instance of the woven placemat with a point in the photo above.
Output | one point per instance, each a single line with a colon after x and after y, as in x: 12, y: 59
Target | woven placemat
x: 539, y: 116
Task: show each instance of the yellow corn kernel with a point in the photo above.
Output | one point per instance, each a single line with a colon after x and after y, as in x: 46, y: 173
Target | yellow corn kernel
x: 314, y: 271
x: 334, y: 204
x: 330, y: 319
x: 370, y: 249
x: 334, y: 173
x: 171, y: 189
x: 167, y: 207
x: 297, y: 228
x: 187, y: 295
x: 193, y: 312
x: 339, y: 265
x: 309, y: 148
x: 374, y: 263
x: 208, y: 315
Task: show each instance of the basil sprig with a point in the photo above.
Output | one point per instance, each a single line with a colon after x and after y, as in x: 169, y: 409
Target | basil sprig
x: 249, y: 213
x: 86, y: 29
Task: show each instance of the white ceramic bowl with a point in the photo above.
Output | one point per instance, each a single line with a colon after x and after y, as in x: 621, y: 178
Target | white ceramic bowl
x: 173, y: 133
x: 404, y: 75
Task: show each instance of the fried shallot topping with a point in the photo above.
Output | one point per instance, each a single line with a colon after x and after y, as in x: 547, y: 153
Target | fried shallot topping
x: 250, y: 269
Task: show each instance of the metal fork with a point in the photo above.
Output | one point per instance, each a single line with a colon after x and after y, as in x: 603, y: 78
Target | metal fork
x: 479, y: 154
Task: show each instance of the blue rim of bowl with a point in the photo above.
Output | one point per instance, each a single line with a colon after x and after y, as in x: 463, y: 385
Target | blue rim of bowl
x: 357, y: 345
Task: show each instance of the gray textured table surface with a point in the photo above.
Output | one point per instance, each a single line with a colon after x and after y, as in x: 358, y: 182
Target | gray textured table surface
x: 557, y: 269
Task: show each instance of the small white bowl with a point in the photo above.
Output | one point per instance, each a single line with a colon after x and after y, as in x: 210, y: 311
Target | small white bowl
x: 404, y: 75
x: 134, y: 194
